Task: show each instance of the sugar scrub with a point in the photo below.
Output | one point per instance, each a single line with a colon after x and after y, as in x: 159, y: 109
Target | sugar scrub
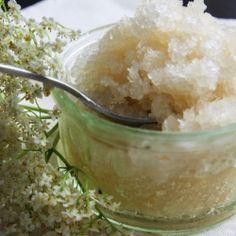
x: 174, y: 63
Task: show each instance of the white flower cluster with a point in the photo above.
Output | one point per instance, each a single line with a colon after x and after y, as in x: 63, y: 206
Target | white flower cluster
x: 35, y: 198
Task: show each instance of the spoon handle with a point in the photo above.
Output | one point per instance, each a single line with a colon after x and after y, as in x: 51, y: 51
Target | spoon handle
x: 118, y: 118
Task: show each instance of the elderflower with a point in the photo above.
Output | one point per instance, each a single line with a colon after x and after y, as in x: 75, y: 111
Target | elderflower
x: 35, y: 197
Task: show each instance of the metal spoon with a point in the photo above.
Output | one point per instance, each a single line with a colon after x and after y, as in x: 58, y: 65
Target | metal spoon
x: 115, y: 117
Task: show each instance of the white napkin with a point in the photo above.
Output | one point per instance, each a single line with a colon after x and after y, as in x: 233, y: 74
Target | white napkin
x: 82, y: 14
x: 88, y: 14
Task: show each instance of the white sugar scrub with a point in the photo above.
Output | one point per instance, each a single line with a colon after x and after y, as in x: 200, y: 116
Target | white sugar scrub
x: 178, y: 65
x: 174, y: 63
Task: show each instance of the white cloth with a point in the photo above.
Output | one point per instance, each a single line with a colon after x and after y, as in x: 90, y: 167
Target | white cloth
x: 88, y: 14
x: 82, y: 14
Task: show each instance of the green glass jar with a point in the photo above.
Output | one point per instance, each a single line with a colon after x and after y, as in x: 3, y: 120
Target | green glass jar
x: 165, y: 182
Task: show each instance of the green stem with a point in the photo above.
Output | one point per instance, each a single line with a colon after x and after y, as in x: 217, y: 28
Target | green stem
x: 26, y: 151
x: 69, y: 168
x: 45, y: 117
x: 56, y: 140
x: 40, y: 113
x: 4, y: 7
x: 62, y: 158
x: 52, y: 130
x: 32, y: 108
x: 50, y: 151
x: 39, y: 108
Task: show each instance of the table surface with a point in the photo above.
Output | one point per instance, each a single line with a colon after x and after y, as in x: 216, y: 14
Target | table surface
x: 89, y: 14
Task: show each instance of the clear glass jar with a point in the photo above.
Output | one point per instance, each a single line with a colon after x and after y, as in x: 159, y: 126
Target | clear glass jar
x: 165, y: 182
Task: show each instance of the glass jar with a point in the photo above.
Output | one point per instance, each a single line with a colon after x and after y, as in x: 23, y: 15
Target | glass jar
x: 165, y: 182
